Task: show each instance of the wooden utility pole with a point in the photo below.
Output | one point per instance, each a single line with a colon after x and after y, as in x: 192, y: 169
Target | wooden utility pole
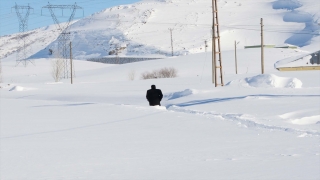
x: 262, y: 48
x: 235, y: 56
x: 71, y: 63
x: 213, y: 44
x: 205, y: 45
x: 0, y: 72
x: 171, y: 41
x: 216, y: 45
x: 117, y: 54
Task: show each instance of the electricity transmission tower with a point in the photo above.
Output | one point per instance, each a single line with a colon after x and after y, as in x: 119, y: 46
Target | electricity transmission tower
x: 216, y: 50
x: 23, y: 39
x: 64, y: 37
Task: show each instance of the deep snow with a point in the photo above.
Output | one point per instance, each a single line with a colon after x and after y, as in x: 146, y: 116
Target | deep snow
x: 101, y: 127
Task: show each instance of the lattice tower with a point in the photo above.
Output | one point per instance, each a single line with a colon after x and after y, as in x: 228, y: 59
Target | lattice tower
x: 23, y: 38
x: 63, y: 49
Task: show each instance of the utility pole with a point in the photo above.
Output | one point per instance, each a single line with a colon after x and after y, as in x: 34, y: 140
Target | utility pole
x: 262, y: 48
x: 205, y: 45
x: 235, y: 56
x: 0, y: 72
x: 216, y: 45
x: 117, y: 53
x: 71, y: 63
x: 171, y: 41
x: 213, y: 44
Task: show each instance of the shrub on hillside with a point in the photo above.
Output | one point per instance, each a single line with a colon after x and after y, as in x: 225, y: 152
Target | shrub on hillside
x: 57, y: 69
x: 131, y: 75
x: 161, y: 73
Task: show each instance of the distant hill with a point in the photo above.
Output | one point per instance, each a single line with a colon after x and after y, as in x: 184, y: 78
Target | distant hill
x: 142, y: 29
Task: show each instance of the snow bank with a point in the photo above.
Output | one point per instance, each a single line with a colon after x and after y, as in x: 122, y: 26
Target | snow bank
x: 307, y: 120
x: 302, y: 117
x: 20, y: 88
x: 159, y: 107
x: 271, y: 80
x: 180, y: 94
x: 268, y: 81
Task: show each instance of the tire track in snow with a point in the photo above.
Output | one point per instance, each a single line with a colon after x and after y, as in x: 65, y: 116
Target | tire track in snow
x: 188, y: 92
x: 243, y: 120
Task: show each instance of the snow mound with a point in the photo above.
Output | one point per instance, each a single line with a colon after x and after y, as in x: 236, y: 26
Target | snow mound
x: 159, y: 107
x: 302, y: 117
x: 268, y: 81
x: 180, y: 94
x: 19, y: 88
x: 307, y: 120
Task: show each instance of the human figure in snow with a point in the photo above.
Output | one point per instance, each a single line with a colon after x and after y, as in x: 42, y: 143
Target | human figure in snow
x: 154, y: 96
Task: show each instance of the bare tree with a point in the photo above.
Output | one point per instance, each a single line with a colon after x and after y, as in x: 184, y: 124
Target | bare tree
x: 161, y: 73
x: 57, y: 69
x: 167, y: 72
x: 131, y: 75
x: 148, y: 75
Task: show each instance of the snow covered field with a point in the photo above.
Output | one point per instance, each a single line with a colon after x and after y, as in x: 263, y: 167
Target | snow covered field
x: 101, y: 127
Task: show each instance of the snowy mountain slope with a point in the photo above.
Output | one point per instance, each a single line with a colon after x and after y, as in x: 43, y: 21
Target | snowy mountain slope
x: 143, y: 28
x: 36, y: 40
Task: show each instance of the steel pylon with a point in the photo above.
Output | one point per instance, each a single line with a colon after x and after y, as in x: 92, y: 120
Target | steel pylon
x: 23, y: 40
x: 63, y: 50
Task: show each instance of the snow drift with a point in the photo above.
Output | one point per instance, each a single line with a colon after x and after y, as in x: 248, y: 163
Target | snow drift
x: 180, y: 94
x: 20, y: 88
x: 268, y: 81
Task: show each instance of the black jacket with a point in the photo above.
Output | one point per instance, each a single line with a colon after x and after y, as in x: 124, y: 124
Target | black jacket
x: 154, y: 97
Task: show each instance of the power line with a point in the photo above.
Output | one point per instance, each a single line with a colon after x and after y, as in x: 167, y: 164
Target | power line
x: 207, y: 25
x: 270, y: 30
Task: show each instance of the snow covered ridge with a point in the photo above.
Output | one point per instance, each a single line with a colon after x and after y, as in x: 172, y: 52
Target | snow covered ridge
x: 268, y: 81
x: 143, y: 28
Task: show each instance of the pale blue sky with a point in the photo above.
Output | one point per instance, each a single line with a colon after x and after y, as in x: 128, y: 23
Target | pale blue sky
x: 9, y: 21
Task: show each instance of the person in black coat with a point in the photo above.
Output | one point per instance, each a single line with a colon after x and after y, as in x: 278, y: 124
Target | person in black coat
x: 154, y: 96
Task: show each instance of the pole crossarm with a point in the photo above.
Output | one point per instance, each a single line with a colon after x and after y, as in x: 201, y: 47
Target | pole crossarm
x: 23, y: 20
x: 74, y: 7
